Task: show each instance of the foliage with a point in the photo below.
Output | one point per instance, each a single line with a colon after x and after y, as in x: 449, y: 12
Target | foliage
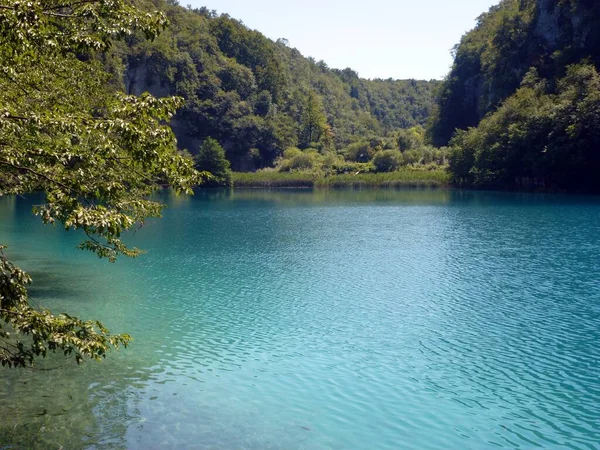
x: 406, y: 177
x: 491, y: 60
x: 269, y: 178
x: 211, y: 158
x: 538, y: 137
x: 318, y: 164
x: 97, y: 154
x: 291, y: 153
x: 314, y: 125
x: 409, y: 139
x: 387, y: 161
x: 359, y: 152
x: 249, y: 92
x: 402, y: 178
x: 526, y: 78
x: 303, y: 161
x: 360, y: 157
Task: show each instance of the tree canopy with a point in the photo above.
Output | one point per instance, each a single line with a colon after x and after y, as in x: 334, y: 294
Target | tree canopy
x: 520, y: 105
x: 257, y: 97
x: 538, y: 137
x: 211, y: 158
x: 96, y: 153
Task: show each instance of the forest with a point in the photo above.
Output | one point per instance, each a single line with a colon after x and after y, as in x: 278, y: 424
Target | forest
x: 257, y: 97
x: 521, y: 105
x: 519, y: 108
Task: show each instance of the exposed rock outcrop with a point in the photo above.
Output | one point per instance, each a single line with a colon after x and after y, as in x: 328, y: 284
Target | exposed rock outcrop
x: 512, y: 37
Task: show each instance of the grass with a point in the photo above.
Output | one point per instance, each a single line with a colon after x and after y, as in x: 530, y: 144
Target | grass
x: 273, y: 179
x: 401, y: 178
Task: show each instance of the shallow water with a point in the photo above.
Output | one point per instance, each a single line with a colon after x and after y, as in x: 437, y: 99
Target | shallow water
x: 327, y: 319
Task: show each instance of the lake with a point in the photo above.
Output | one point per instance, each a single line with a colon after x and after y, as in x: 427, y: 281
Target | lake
x: 410, y: 319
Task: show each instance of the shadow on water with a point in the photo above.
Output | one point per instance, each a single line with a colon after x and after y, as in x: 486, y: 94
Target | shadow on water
x: 403, y: 196
x: 496, y: 198
x: 42, y: 292
x: 50, y: 279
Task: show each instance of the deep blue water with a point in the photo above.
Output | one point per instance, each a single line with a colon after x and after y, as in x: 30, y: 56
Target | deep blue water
x: 323, y: 320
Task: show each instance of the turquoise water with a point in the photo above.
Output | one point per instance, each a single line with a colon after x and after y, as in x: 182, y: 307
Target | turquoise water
x: 324, y: 320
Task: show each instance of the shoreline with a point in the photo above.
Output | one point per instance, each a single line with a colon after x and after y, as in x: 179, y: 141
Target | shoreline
x: 399, y: 179
x: 415, y: 179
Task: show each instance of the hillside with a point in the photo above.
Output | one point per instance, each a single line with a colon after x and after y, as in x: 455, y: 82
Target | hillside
x: 527, y: 78
x: 258, y: 97
x: 492, y: 59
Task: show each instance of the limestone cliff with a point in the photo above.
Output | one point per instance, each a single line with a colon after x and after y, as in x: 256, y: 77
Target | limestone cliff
x: 514, y: 36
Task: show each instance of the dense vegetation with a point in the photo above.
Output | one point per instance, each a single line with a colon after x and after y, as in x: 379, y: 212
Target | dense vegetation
x: 257, y: 97
x: 95, y: 153
x: 404, y: 177
x: 211, y: 159
x: 524, y: 94
x: 541, y: 136
x: 406, y: 149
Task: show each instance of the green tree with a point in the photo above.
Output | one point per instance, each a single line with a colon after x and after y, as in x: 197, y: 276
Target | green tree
x: 410, y: 139
x: 251, y: 93
x: 96, y: 153
x: 491, y: 60
x: 541, y: 135
x: 314, y: 122
x: 359, y: 152
x: 211, y: 158
x: 387, y: 161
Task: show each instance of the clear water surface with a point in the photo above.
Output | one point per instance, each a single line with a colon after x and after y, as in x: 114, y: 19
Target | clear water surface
x: 323, y: 320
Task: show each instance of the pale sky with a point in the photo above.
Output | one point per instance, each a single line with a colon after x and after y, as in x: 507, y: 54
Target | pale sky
x: 377, y: 38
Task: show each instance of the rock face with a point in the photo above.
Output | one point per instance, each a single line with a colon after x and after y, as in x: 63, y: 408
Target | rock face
x: 547, y: 24
x: 574, y: 23
x: 139, y: 78
x: 513, y: 37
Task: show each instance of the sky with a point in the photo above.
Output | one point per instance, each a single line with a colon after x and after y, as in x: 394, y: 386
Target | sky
x: 377, y: 38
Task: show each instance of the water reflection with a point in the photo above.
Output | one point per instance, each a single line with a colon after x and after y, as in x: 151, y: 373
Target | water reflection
x: 299, y: 197
x: 324, y: 319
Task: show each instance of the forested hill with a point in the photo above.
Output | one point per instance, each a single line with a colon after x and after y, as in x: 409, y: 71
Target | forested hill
x: 258, y: 97
x: 514, y: 36
x: 527, y: 78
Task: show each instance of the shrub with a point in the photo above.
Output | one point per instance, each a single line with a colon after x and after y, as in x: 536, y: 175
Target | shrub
x: 331, y: 160
x: 352, y: 168
x: 291, y: 153
x: 411, y: 157
x: 410, y: 139
x: 387, y: 161
x: 211, y: 158
x: 358, y: 152
x: 303, y: 161
x: 428, y: 154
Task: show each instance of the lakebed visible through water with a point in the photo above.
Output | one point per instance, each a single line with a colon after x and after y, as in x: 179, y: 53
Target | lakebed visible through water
x: 379, y: 319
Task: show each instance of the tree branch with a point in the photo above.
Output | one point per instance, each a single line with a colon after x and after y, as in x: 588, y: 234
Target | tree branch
x: 41, y: 175
x: 71, y: 5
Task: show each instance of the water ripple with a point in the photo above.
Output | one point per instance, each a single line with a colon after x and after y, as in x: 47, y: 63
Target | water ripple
x: 300, y: 321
